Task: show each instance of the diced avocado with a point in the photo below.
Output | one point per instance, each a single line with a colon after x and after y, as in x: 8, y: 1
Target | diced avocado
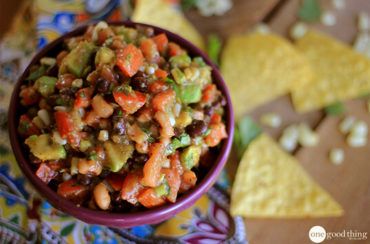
x: 37, y: 73
x: 43, y: 148
x: 78, y: 59
x: 184, y: 119
x: 190, y: 157
x: 84, y: 145
x: 199, y: 61
x: 104, y: 55
x: 162, y: 190
x: 190, y: 93
x: 47, y: 61
x: 117, y: 155
x: 182, y: 141
x: 178, y: 75
x: 46, y: 85
x: 181, y: 61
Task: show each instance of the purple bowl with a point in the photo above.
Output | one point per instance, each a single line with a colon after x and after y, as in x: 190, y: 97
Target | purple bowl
x: 123, y: 220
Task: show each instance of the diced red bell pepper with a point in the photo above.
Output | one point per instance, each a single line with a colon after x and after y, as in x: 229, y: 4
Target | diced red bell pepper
x: 188, y: 180
x: 129, y: 60
x: 152, y: 167
x: 115, y: 181
x: 173, y: 179
x: 161, y: 41
x: 73, y: 191
x: 131, y: 187
x: 148, y: 198
x: 64, y: 123
x: 163, y: 100
x: 215, y: 119
x: 26, y: 127
x: 83, y: 97
x: 209, y: 93
x: 174, y: 49
x: 29, y: 96
x: 160, y: 73
x: 131, y: 101
x: 149, y: 50
x: 157, y: 86
x: 217, y: 133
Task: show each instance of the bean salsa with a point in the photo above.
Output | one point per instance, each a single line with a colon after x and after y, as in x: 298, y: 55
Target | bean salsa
x: 121, y: 119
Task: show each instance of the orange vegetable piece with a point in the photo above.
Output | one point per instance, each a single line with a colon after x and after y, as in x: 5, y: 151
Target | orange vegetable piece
x: 131, y: 187
x: 129, y: 60
x: 152, y: 168
x: 149, y: 199
x: 161, y: 41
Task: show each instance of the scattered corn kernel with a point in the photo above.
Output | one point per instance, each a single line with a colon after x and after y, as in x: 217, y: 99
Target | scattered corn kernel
x: 354, y: 140
x: 271, y: 119
x: 48, y: 61
x: 289, y: 138
x: 307, y: 137
x: 103, y: 135
x: 359, y: 128
x: 298, y: 30
x: 328, y: 18
x: 339, y: 4
x: 346, y: 124
x: 363, y: 22
x: 38, y: 122
x: 262, y: 28
x: 336, y: 156
x: 77, y: 83
x: 44, y: 116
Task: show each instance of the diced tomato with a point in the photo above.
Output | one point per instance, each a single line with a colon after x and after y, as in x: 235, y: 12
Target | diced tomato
x: 83, y: 97
x: 74, y: 138
x: 152, y: 168
x: 45, y: 173
x: 188, y: 180
x: 161, y: 41
x: 174, y: 49
x: 209, y: 93
x: 163, y: 100
x: 215, y: 119
x: 65, y: 81
x: 73, y: 191
x: 173, y: 179
x: 149, y: 199
x: 149, y: 50
x: 130, y: 102
x: 104, y: 34
x: 217, y: 133
x: 29, y: 96
x: 26, y: 127
x: 160, y: 73
x: 64, y: 123
x: 129, y: 60
x: 115, y: 181
x: 157, y: 86
x: 131, y: 187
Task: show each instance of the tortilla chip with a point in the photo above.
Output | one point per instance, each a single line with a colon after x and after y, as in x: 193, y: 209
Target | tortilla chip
x: 341, y: 73
x: 163, y: 14
x: 260, y: 67
x: 271, y: 183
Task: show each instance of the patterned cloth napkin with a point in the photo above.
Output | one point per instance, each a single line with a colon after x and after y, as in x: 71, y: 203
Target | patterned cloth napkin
x: 25, y: 216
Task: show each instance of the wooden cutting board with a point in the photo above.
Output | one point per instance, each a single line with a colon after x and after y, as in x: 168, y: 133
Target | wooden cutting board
x: 349, y: 183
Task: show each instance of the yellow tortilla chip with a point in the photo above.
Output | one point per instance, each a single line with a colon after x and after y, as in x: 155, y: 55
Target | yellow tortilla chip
x: 260, y: 67
x: 162, y: 14
x: 271, y: 183
x: 340, y: 72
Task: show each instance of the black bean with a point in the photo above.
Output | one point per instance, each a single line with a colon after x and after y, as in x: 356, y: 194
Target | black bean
x: 34, y: 159
x: 139, y: 83
x: 84, y: 179
x: 196, y: 128
x: 119, y: 126
x: 140, y: 158
x: 208, y: 110
x: 178, y: 131
x: 102, y: 85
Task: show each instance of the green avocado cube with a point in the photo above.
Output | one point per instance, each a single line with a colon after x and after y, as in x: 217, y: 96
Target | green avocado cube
x: 190, y: 157
x: 43, y: 148
x: 117, y: 155
x: 45, y: 85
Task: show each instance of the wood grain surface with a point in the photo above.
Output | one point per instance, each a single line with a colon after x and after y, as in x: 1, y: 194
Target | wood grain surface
x: 349, y: 183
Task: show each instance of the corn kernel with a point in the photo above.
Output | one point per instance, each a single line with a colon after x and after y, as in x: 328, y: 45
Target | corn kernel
x: 336, y: 156
x: 298, y: 30
x: 289, y: 138
x: 354, y: 140
x: 359, y: 128
x: 307, y: 137
x: 346, y: 124
x: 328, y: 18
x: 103, y: 135
x: 271, y: 119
